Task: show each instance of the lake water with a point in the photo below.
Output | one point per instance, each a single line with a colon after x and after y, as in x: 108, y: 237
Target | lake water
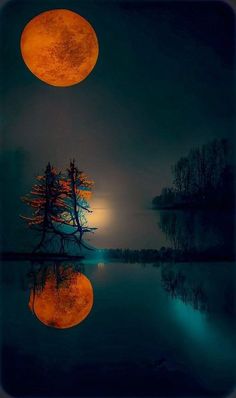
x: 152, y: 331
x: 183, y: 229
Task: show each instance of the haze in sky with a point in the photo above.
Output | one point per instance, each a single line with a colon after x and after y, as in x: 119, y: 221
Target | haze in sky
x: 163, y: 84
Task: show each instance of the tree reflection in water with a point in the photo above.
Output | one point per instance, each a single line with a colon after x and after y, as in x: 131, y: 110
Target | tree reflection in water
x: 198, y: 230
x: 177, y: 286
x: 61, y: 295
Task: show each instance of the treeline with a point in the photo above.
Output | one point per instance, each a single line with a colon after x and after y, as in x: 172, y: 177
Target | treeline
x: 138, y: 256
x: 205, y: 177
x: 167, y: 254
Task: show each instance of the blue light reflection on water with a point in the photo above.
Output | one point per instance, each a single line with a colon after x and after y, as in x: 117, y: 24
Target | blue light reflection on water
x: 211, y: 345
x: 133, y: 320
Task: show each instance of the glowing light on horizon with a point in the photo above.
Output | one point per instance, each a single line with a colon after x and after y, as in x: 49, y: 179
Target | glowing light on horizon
x: 101, y: 216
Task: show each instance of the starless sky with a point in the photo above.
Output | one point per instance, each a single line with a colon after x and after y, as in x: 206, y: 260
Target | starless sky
x: 163, y: 83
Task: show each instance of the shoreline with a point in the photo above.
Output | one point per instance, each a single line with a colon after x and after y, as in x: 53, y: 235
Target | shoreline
x: 17, y: 256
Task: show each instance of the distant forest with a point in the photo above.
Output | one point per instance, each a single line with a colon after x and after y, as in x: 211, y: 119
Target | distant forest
x: 203, y: 178
x: 168, y: 254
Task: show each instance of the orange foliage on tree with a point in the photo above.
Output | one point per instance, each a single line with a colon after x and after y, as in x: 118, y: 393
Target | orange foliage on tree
x: 58, y: 200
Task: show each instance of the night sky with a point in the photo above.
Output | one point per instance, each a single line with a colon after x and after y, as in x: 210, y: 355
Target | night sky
x: 163, y: 83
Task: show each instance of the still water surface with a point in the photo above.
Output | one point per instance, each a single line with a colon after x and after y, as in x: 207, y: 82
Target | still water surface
x: 142, y: 337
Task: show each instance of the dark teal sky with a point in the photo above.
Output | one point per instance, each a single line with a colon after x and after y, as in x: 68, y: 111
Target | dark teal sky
x: 163, y: 84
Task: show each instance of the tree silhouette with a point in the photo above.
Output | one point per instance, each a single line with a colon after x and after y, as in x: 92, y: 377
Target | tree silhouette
x: 77, y: 188
x: 59, y: 203
x: 203, y: 178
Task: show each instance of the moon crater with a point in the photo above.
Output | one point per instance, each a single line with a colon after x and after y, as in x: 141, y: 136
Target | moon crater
x: 59, y: 47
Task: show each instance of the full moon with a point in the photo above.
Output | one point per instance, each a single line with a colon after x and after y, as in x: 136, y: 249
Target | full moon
x: 65, y: 305
x: 59, y: 47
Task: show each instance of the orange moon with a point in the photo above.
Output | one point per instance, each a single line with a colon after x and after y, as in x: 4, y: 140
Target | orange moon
x: 63, y: 306
x: 59, y: 47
